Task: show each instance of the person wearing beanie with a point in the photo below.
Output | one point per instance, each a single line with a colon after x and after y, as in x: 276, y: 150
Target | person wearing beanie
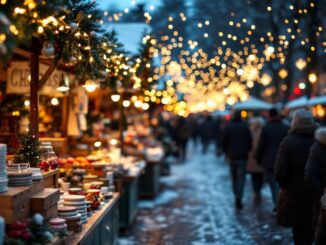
x: 315, y: 177
x: 271, y: 137
x: 295, y: 203
x: 236, y: 144
x: 256, y: 172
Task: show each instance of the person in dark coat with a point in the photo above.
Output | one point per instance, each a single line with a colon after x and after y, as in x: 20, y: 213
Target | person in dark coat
x: 217, y: 135
x: 320, y: 238
x: 256, y: 171
x: 236, y: 144
x: 270, y: 138
x: 315, y: 177
x: 296, y: 200
x: 207, y: 132
x: 182, y: 134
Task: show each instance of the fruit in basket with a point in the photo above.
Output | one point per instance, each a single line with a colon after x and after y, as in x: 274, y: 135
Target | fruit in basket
x: 44, y: 166
x: 95, y: 204
x: 53, y: 164
x: 70, y: 160
x: 61, y: 162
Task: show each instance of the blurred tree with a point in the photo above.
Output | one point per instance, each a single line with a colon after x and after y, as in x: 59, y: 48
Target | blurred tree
x: 170, y: 12
x: 135, y: 15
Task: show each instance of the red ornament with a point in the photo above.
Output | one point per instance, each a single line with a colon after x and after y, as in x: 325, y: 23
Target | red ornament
x: 297, y: 91
x: 44, y: 166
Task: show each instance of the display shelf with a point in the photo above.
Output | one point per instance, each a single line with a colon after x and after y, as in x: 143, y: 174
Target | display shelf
x: 149, y: 182
x: 101, y: 227
x: 128, y: 204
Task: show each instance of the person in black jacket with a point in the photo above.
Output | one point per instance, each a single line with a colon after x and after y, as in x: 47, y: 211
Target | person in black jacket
x: 182, y: 134
x: 315, y: 177
x: 207, y: 132
x: 236, y: 145
x: 296, y: 200
x: 270, y: 138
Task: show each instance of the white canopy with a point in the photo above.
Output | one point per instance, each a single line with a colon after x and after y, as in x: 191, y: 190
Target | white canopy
x: 220, y: 113
x: 318, y: 100
x: 253, y: 104
x: 297, y: 103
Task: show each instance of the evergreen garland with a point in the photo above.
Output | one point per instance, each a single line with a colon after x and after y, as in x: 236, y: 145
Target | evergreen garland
x: 73, y: 28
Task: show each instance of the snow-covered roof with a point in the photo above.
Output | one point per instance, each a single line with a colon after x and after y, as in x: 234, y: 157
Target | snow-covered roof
x: 253, y: 104
x: 130, y: 35
x: 318, y: 100
x: 297, y: 103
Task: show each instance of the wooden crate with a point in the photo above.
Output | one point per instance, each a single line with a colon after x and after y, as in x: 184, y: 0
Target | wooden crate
x: 48, y: 213
x: 45, y: 199
x: 14, y: 197
x: 15, y: 204
x: 50, y: 179
x: 22, y: 213
x: 45, y: 202
x: 37, y: 186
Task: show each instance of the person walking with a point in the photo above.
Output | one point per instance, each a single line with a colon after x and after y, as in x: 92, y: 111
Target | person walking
x: 256, y: 171
x: 207, y: 132
x: 271, y: 137
x: 236, y: 144
x: 182, y: 134
x: 315, y: 177
x: 296, y: 201
x: 217, y: 135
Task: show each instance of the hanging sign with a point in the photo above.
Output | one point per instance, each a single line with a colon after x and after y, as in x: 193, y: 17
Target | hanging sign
x: 18, y: 78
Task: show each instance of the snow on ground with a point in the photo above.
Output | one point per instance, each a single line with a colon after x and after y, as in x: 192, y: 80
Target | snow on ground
x: 196, y: 207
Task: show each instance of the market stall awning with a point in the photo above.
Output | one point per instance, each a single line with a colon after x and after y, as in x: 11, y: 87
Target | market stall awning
x: 253, y: 104
x: 219, y: 113
x: 130, y: 35
x: 297, y: 103
x: 318, y: 100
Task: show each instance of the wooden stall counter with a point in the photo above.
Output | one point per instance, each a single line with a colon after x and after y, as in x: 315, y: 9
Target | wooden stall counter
x: 149, y: 182
x: 101, y: 228
x: 128, y: 204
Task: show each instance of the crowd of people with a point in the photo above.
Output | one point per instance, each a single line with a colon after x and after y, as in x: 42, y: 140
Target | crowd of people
x: 289, y: 155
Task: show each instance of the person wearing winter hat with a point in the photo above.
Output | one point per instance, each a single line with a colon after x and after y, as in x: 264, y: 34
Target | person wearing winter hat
x: 296, y: 200
x: 270, y: 139
x: 256, y: 172
x: 236, y: 144
x: 315, y: 177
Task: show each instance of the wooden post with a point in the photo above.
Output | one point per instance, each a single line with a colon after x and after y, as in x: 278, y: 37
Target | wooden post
x: 34, y: 88
x: 121, y: 123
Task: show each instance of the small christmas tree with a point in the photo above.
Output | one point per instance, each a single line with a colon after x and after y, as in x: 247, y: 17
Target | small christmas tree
x: 30, y: 151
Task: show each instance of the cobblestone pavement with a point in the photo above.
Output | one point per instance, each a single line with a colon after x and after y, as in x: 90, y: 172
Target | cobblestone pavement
x: 196, y: 207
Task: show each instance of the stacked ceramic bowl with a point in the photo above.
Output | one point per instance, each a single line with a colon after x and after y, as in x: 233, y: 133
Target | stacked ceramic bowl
x: 58, y: 225
x: 20, y: 178
x: 37, y: 174
x: 18, y: 167
x: 3, y: 168
x: 72, y: 218
x: 78, y: 202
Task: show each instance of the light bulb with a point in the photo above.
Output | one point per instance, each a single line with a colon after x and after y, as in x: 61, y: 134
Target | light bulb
x: 126, y: 103
x: 54, y: 101
x: 115, y: 97
x: 145, y: 106
x: 312, y: 77
x: 90, y: 86
x: 138, y: 104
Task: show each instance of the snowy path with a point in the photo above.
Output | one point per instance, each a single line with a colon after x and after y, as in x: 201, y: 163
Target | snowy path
x: 196, y: 207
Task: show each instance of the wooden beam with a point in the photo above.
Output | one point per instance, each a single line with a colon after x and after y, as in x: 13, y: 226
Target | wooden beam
x: 47, y: 74
x: 34, y: 98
